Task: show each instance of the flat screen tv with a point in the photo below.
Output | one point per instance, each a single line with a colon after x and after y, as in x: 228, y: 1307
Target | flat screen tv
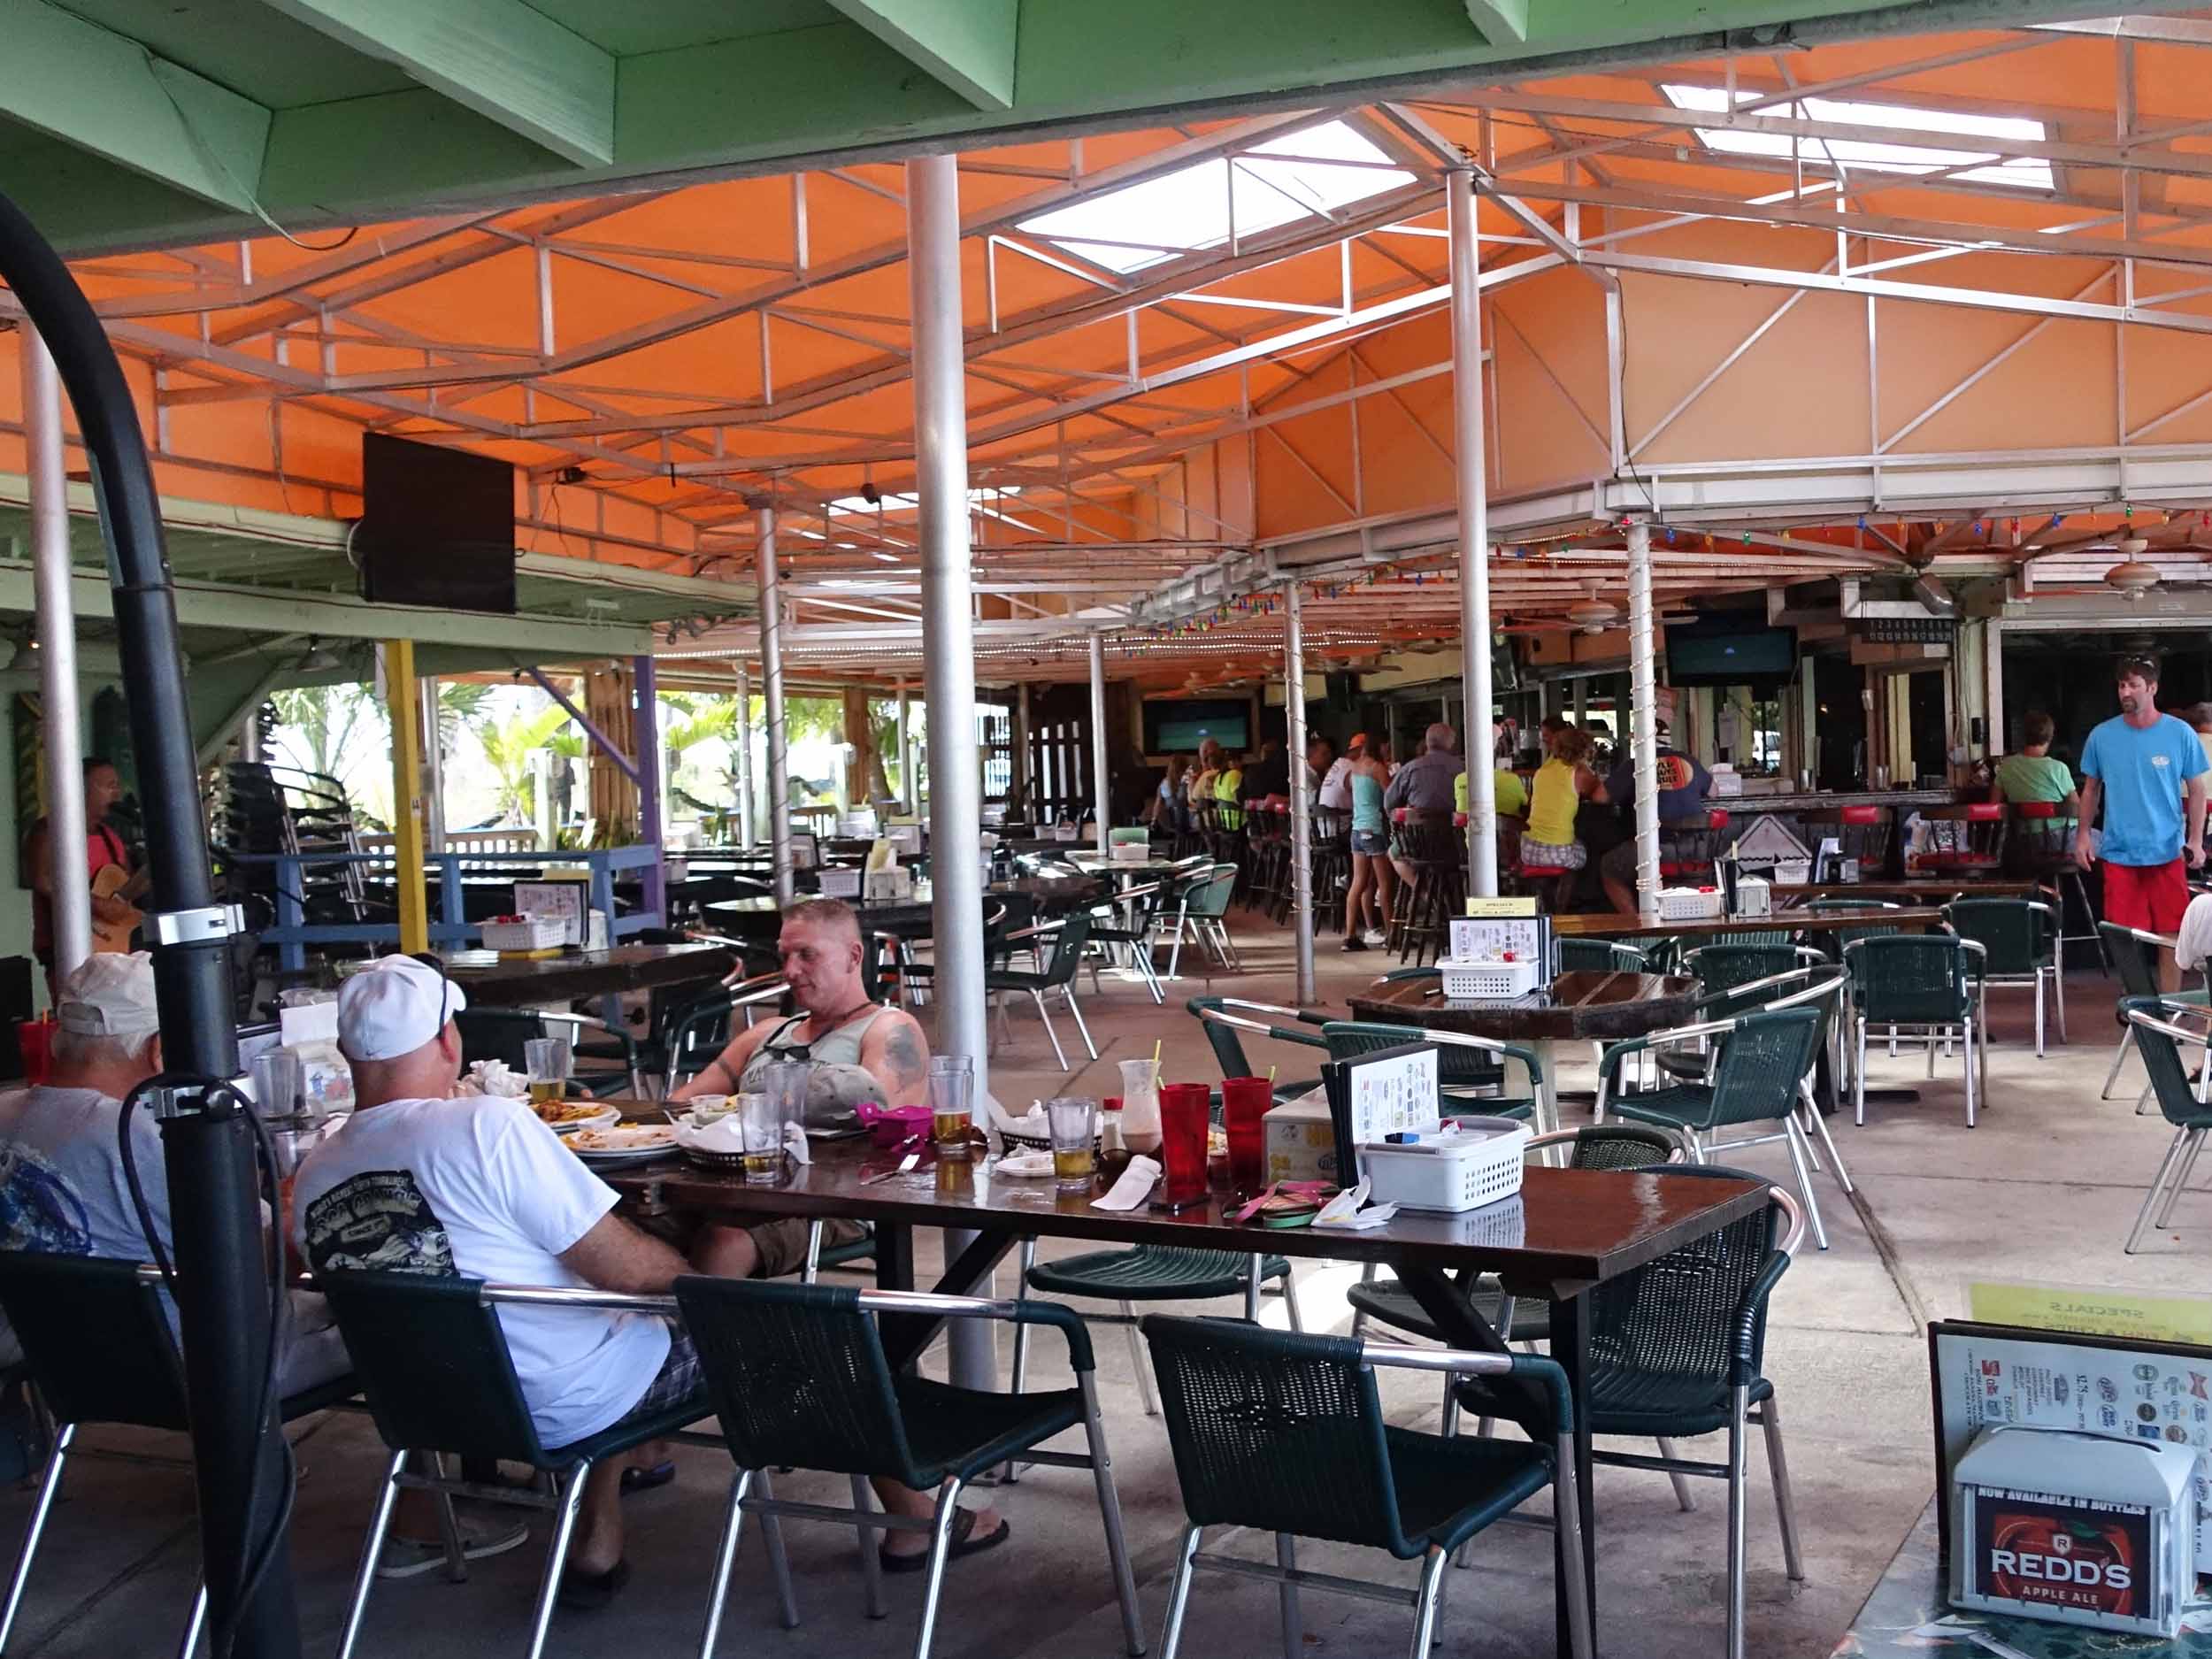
x: 437, y: 526
x: 1178, y: 725
x: 1729, y: 651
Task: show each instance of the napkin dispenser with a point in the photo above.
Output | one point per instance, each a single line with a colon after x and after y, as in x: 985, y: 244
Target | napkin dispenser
x: 894, y: 886
x: 1754, y: 896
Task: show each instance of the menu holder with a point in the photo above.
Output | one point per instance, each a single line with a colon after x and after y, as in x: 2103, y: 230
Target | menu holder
x: 1387, y: 1091
x: 1493, y: 936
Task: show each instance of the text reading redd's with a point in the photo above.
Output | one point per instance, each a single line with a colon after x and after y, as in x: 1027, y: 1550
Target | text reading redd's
x: 2062, y: 1552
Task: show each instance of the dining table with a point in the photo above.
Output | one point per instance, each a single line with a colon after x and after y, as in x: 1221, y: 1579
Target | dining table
x: 1909, y: 918
x: 529, y: 981
x: 1566, y: 1231
x: 1914, y: 890
x: 1593, y: 1005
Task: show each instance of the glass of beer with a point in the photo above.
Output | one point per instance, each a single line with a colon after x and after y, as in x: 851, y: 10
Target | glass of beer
x: 1073, y: 1121
x: 762, y: 1117
x: 546, y: 1060
x: 951, y: 1103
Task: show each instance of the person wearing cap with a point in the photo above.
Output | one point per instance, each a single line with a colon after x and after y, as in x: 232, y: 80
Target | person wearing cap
x: 1335, y: 794
x: 62, y: 1188
x: 419, y: 1181
x: 1683, y: 785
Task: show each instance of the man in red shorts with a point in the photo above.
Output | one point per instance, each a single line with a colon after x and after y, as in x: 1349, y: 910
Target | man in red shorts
x: 2145, y: 767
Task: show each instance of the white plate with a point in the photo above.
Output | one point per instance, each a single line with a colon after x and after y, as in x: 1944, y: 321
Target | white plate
x: 604, y: 1117
x: 618, y: 1160
x: 629, y: 1143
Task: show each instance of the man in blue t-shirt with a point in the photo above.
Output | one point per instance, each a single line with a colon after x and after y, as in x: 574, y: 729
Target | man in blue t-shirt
x: 2143, y: 765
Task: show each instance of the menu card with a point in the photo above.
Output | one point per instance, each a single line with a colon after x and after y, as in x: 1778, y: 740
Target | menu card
x: 1379, y: 1094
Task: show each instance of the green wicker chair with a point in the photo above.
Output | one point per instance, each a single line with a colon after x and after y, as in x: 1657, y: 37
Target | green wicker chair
x: 1202, y: 906
x: 1927, y: 984
x: 434, y: 1365
x: 97, y: 1343
x: 1598, y: 956
x: 2154, y: 1024
x: 1070, y: 938
x: 1227, y: 1020
x: 2020, y: 939
x: 1761, y: 1072
x: 1678, y: 1349
x: 1284, y: 1434
x: 2132, y: 951
x: 798, y: 1377
x: 1471, y: 1071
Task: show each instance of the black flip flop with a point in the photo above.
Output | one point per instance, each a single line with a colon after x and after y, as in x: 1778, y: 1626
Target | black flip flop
x: 589, y: 1592
x: 962, y: 1542
x: 645, y: 1480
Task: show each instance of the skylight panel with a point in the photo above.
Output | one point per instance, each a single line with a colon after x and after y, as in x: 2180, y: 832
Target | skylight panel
x: 1301, y: 175
x: 1878, y: 155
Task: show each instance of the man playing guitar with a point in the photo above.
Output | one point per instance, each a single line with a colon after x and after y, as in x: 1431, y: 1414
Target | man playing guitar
x: 107, y: 861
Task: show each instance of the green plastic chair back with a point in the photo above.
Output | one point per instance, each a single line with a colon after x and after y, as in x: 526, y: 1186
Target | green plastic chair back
x: 1457, y: 1066
x: 1910, y: 979
x: 2177, y: 1099
x: 2131, y: 959
x: 1209, y: 895
x: 1600, y: 955
x: 1724, y: 967
x: 1227, y: 1043
x: 1762, y: 1062
x: 2016, y: 933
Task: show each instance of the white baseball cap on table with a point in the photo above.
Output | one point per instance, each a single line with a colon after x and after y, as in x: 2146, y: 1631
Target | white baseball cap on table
x: 110, y: 994
x: 392, y: 1007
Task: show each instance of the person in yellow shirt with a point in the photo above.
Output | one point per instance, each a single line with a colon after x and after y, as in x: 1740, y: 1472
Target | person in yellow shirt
x: 1229, y: 780
x: 1511, y: 793
x: 1562, y: 784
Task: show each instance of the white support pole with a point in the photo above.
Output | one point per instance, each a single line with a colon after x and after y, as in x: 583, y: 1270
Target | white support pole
x: 744, y: 760
x: 433, y: 768
x: 1101, y: 797
x: 1301, y: 798
x: 956, y: 783
x: 70, y: 879
x: 771, y: 692
x: 910, y: 797
x: 1643, y: 680
x: 1474, y: 538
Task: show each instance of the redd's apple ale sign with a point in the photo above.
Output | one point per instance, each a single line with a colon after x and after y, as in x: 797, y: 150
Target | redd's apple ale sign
x: 2082, y: 1555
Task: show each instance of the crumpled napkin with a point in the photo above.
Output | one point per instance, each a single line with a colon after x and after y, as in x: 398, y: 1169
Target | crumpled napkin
x: 726, y: 1135
x: 492, y: 1077
x: 1133, y: 1187
x: 1025, y: 1166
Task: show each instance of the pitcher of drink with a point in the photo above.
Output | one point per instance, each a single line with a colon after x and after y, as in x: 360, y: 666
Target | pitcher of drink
x: 1141, y: 1105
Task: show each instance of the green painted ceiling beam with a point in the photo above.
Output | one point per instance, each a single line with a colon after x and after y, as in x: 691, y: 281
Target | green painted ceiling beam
x: 1501, y: 22
x: 513, y: 66
x: 967, y: 44
x: 104, y: 94
x: 731, y: 101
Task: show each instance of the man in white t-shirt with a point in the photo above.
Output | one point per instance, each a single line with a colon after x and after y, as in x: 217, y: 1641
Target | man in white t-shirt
x: 419, y: 1182
x: 1336, y: 784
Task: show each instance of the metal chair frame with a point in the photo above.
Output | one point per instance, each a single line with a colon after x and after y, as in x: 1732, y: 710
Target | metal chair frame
x: 2190, y: 1126
x: 2124, y: 948
x: 2055, y: 970
x: 1065, y: 986
x: 1971, y: 1028
x: 751, y: 1493
x: 744, y: 996
x: 1209, y: 928
x: 1135, y: 943
x: 1741, y: 1417
x: 1426, y: 1598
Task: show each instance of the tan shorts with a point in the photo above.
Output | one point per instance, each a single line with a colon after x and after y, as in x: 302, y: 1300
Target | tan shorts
x: 782, y: 1244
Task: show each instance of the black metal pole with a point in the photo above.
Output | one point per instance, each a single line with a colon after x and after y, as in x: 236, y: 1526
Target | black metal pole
x: 208, y: 1146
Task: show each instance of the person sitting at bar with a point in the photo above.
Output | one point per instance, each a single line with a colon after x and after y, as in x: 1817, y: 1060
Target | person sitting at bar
x: 2036, y: 774
x: 1336, y: 782
x: 62, y: 1182
x: 1564, y: 782
x: 1425, y: 783
x: 1320, y: 756
x: 1509, y: 792
x: 1683, y: 785
x: 1204, y: 774
x: 1230, y: 779
x: 858, y: 1049
x: 1268, y: 776
x: 1169, y: 811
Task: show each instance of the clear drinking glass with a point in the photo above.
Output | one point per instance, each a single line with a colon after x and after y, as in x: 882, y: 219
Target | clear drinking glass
x: 1073, y: 1120
x: 763, y: 1120
x: 1140, y: 1104
x: 546, y: 1059
x: 951, y: 1103
x: 276, y: 1082
x: 785, y: 1083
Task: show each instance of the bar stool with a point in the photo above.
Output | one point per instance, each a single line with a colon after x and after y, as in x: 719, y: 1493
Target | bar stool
x: 1977, y: 848
x: 2042, y: 846
x: 1864, y: 833
x: 1438, y: 890
x: 1332, y: 865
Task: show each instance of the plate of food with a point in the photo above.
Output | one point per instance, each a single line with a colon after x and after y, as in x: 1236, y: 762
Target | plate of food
x: 567, y: 1117
x: 623, y: 1143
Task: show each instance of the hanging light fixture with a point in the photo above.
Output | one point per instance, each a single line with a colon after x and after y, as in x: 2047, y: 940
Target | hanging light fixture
x: 2132, y: 577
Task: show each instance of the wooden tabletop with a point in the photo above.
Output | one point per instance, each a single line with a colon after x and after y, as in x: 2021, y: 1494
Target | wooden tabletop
x: 575, y: 973
x: 1568, y: 1227
x: 1917, y: 890
x: 1910, y: 918
x: 1584, y: 1006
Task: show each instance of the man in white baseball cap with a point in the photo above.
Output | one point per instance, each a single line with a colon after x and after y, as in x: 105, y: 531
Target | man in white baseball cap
x: 62, y: 1185
x: 419, y: 1181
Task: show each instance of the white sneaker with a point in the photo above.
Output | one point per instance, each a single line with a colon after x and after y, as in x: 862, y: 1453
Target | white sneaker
x: 1376, y: 936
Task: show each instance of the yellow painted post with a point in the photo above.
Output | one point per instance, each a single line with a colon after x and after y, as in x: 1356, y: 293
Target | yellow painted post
x: 404, y: 707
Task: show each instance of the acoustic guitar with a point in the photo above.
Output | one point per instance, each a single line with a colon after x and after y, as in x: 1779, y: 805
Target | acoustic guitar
x: 111, y: 882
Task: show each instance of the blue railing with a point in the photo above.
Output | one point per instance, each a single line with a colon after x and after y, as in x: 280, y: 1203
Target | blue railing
x: 293, y: 933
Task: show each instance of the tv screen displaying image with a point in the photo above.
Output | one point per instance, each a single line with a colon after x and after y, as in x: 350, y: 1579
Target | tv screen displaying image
x: 1722, y: 652
x: 1180, y: 726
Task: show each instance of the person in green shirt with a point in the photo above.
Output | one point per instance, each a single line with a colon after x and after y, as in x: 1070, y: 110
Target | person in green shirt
x: 1512, y: 794
x: 1229, y: 778
x: 2034, y: 774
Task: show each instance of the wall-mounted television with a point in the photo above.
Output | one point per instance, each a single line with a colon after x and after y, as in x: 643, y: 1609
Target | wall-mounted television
x: 437, y: 526
x: 1723, y: 650
x: 1177, y: 725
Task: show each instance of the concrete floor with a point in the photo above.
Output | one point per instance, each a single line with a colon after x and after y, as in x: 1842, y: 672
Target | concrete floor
x: 2044, y: 1189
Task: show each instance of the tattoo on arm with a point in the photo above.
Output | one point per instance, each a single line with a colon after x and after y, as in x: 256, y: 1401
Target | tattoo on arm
x: 904, y: 1058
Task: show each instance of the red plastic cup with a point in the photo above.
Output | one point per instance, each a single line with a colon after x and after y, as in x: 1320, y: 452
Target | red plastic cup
x: 1244, y: 1103
x: 1184, y: 1120
x: 35, y: 1041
